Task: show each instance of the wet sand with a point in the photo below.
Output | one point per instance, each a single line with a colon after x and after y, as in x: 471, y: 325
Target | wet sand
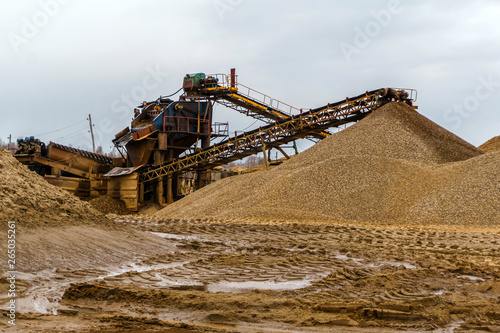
x: 245, y: 276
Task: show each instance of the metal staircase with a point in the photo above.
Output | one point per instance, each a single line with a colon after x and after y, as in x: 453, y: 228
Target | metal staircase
x: 250, y: 102
x: 257, y: 105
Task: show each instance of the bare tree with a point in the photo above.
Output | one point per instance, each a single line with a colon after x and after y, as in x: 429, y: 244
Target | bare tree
x: 247, y: 162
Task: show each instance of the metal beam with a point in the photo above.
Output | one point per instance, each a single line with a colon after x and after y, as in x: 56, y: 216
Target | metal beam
x: 281, y: 132
x: 62, y: 166
x: 283, y: 152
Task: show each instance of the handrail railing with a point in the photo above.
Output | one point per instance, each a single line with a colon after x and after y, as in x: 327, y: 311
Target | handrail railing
x: 224, y: 81
x: 267, y: 100
x: 412, y: 93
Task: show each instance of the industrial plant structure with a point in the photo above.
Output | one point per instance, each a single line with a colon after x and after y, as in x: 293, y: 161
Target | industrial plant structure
x: 172, y: 143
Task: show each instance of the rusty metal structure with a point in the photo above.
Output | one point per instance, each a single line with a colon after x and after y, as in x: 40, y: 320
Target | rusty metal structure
x: 77, y: 171
x: 170, y: 143
x: 279, y: 133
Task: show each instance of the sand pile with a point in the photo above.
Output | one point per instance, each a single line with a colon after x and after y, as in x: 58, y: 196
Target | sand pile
x: 108, y: 205
x: 394, y: 166
x: 56, y: 229
x: 466, y: 193
x: 491, y: 145
x: 27, y: 198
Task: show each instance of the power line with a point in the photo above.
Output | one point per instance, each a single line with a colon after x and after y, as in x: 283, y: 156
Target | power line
x: 243, y: 130
x: 61, y: 129
x: 72, y: 135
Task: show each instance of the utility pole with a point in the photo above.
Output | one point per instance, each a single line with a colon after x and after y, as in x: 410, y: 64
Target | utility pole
x: 10, y: 141
x: 92, y: 133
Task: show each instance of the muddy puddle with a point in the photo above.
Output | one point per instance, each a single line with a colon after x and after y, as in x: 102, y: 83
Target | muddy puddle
x: 47, y: 287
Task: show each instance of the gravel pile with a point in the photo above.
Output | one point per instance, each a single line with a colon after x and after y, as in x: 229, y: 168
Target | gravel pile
x: 26, y: 197
x: 394, y: 166
x: 491, y: 145
x: 466, y: 193
x: 395, y: 131
x: 108, y: 205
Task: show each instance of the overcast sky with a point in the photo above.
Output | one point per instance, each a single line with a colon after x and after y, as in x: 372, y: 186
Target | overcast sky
x: 62, y: 60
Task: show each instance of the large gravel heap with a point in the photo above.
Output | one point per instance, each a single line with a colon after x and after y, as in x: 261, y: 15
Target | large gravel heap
x: 27, y: 198
x: 394, y: 166
x: 491, y: 145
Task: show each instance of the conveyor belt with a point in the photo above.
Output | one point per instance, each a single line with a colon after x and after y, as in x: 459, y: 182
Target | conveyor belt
x: 247, y: 101
x: 279, y: 132
x: 93, y: 156
x: 252, y: 107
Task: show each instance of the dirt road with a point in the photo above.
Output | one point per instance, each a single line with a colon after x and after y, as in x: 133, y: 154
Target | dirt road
x: 242, y: 276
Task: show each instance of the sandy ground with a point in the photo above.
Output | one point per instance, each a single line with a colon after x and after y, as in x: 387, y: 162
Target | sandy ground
x: 243, y: 276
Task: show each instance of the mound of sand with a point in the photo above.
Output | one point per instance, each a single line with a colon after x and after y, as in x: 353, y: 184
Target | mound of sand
x: 26, y: 197
x: 56, y: 229
x: 465, y: 193
x: 491, y: 145
x: 394, y: 166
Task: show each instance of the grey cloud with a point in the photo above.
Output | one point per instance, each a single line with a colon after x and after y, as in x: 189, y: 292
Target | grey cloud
x: 91, y: 53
